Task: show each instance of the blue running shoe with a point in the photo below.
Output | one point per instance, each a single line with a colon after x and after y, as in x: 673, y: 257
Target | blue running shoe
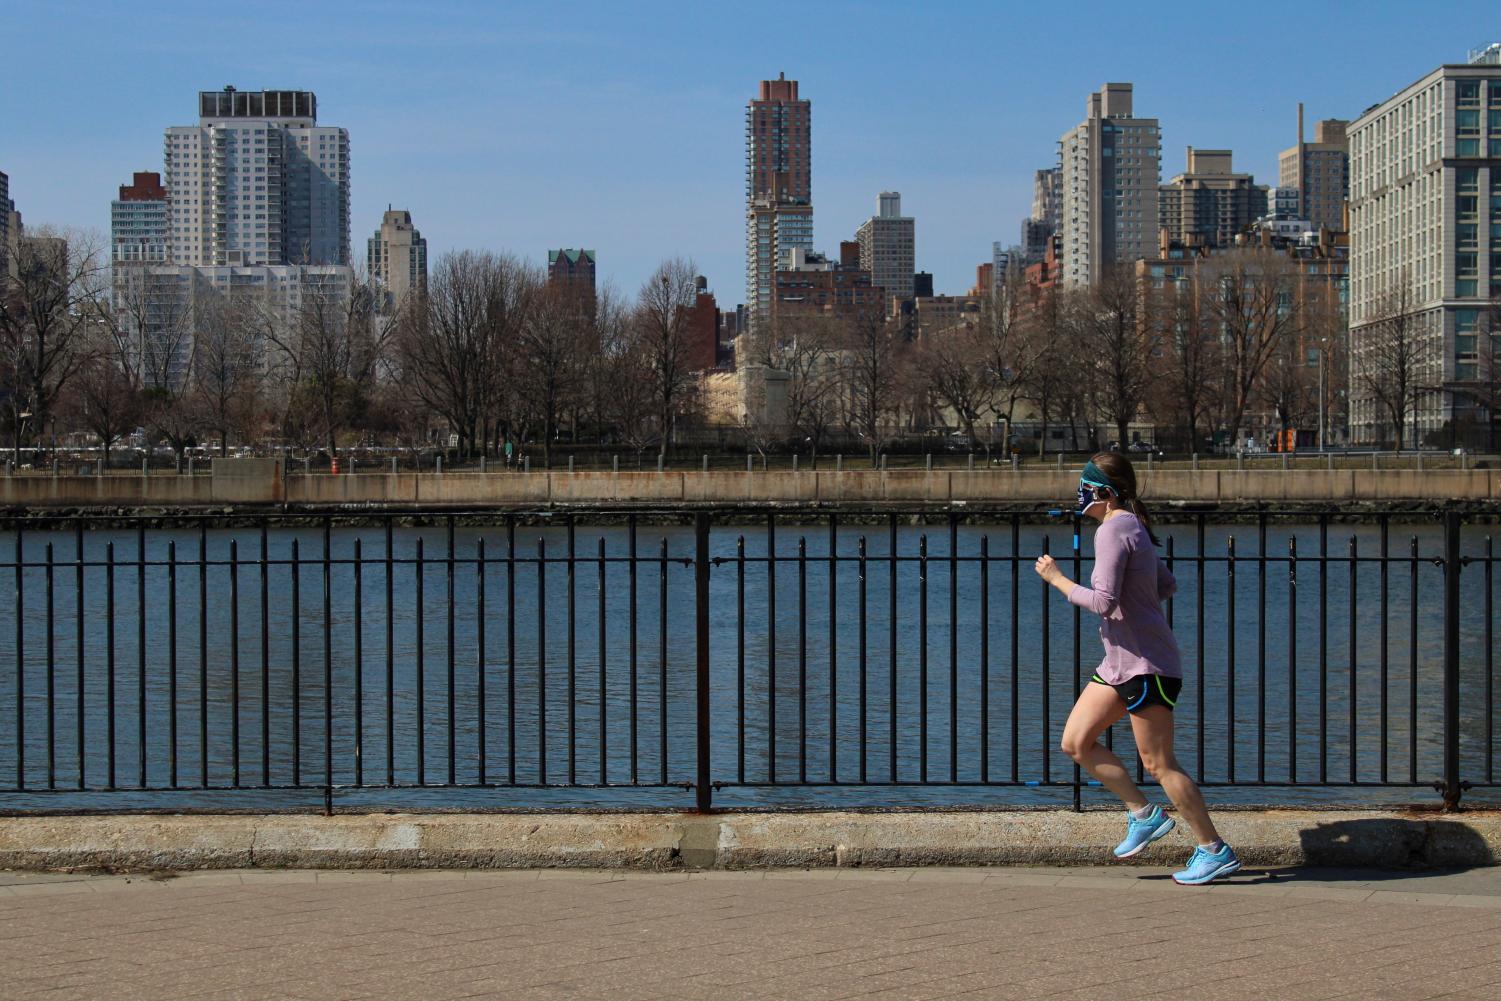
x: 1140, y: 833
x: 1205, y: 866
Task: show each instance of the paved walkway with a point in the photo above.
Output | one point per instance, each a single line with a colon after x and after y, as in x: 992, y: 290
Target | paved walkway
x: 1121, y: 932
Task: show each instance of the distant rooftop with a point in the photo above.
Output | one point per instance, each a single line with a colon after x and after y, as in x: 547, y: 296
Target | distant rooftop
x: 572, y: 255
x: 232, y: 103
x: 1486, y: 54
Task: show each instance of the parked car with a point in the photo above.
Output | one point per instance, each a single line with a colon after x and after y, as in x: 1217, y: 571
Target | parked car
x: 958, y: 441
x: 1142, y: 445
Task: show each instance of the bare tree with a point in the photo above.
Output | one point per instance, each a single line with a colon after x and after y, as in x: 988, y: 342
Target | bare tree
x: 1007, y: 354
x: 552, y: 345
x: 452, y: 355
x: 1485, y: 392
x: 1051, y: 341
x: 173, y: 417
x: 1253, y: 300
x: 628, y: 396
x: 225, y: 372
x: 872, y: 362
x: 953, y: 367
x: 318, y: 350
x: 1118, y: 348
x: 1392, y: 355
x: 1288, y: 386
x: 150, y: 319
x: 662, y: 338
x: 1326, y: 329
x: 101, y: 395
x: 1192, y: 345
x: 48, y: 299
x: 808, y: 353
x: 609, y: 329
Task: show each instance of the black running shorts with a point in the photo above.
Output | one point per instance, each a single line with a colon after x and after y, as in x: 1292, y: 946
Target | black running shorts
x: 1146, y: 690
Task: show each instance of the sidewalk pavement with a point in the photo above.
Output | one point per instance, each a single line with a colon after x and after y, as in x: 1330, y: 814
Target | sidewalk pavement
x: 1108, y: 932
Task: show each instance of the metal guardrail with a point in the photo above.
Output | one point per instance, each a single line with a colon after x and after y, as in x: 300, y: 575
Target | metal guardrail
x: 884, y: 656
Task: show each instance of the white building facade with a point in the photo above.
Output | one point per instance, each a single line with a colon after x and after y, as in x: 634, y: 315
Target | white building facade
x: 1425, y: 244
x: 258, y: 181
x: 255, y: 217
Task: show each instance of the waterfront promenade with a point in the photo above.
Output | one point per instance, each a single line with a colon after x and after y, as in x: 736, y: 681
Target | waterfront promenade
x: 1118, y: 932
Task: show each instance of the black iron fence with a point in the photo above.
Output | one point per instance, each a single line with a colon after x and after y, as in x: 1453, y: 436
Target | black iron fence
x: 856, y: 659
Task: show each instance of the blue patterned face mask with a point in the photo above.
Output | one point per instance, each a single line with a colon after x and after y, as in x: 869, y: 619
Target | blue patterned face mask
x: 1089, y: 481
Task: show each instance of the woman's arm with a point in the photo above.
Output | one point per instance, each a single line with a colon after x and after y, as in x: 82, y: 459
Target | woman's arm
x: 1047, y: 568
x: 1110, y: 568
x: 1167, y: 584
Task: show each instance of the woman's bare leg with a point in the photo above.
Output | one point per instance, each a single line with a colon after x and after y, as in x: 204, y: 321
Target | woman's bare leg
x: 1153, y: 728
x: 1099, y: 706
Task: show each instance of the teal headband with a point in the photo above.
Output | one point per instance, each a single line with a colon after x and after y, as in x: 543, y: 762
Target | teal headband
x: 1094, y: 477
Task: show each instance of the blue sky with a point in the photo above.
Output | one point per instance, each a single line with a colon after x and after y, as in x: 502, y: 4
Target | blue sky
x: 618, y: 126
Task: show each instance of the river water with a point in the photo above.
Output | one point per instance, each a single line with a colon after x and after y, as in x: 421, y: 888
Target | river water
x: 991, y: 715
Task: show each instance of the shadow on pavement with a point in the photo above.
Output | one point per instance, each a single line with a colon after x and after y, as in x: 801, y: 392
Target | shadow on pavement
x: 1371, y: 849
x: 1394, y: 843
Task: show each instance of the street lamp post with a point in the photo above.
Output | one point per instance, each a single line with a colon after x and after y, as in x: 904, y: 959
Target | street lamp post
x: 1323, y: 353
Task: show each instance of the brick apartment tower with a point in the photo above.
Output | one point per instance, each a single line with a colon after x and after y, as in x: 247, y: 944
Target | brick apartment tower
x: 778, y: 187
x: 575, y: 271
x: 703, y: 328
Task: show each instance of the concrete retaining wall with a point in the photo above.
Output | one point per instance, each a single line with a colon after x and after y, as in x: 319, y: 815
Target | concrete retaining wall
x: 911, y: 487
x: 727, y: 841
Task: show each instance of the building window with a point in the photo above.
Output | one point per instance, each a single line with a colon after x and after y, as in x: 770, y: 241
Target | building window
x: 1466, y: 336
x: 1466, y: 274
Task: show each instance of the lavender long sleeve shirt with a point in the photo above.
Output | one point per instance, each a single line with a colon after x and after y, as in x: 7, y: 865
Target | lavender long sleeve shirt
x: 1128, y: 587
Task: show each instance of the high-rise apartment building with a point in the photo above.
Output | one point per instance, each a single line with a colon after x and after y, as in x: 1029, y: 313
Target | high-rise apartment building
x: 257, y: 213
x: 886, y: 247
x: 1320, y: 172
x: 258, y: 181
x: 1110, y: 173
x: 778, y: 186
x: 1047, y: 210
x: 6, y: 207
x: 138, y: 226
x: 396, y: 260
x: 1209, y: 202
x: 1425, y: 246
x: 1047, y: 196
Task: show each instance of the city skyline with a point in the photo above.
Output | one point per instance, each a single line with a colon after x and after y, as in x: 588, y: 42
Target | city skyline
x: 583, y: 110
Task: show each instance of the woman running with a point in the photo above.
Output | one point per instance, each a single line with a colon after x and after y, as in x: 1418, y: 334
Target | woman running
x: 1141, y: 673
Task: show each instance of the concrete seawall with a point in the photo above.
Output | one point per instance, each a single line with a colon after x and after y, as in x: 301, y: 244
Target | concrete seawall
x: 724, y: 841
x: 713, y: 489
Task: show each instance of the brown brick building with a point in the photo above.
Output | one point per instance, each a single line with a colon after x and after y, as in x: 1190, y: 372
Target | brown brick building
x: 703, y: 329
x: 573, y: 270
x: 811, y: 284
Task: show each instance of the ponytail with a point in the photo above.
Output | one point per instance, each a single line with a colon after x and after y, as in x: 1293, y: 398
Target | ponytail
x: 1122, y: 476
x: 1140, y: 510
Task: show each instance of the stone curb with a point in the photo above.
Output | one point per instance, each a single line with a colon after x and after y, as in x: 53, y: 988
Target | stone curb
x: 663, y: 841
